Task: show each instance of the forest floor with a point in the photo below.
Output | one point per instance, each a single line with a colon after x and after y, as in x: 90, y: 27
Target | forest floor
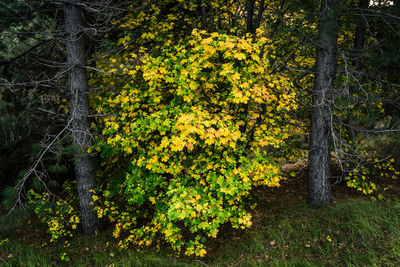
x: 354, y: 231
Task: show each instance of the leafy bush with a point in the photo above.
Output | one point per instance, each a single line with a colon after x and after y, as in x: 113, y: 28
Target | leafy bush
x: 201, y: 124
x: 61, y: 216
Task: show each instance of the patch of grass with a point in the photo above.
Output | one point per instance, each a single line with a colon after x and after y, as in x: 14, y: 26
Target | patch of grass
x: 16, y: 253
x: 350, y: 233
x: 22, y: 245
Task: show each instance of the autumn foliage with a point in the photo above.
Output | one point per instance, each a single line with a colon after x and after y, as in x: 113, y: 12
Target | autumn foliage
x: 201, y: 124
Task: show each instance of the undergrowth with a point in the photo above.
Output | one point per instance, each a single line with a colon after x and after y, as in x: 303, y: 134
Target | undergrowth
x: 350, y: 233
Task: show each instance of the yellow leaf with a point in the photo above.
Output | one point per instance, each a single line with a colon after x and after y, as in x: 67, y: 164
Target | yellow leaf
x: 202, y: 252
x: 235, y: 76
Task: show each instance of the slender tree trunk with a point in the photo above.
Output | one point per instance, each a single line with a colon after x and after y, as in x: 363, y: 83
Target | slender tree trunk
x: 79, y: 109
x: 204, y: 15
x: 359, y: 37
x: 319, y: 190
x: 259, y: 15
x: 250, y: 14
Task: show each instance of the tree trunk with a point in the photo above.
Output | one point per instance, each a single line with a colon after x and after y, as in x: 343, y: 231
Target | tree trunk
x: 359, y: 38
x: 319, y: 190
x: 250, y: 14
x: 79, y: 109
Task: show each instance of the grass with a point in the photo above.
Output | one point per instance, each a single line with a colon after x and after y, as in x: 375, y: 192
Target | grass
x: 349, y: 233
x: 352, y: 233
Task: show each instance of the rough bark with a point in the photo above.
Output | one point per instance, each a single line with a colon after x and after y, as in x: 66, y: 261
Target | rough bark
x: 319, y: 190
x: 79, y: 109
x: 359, y: 37
x: 250, y: 14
